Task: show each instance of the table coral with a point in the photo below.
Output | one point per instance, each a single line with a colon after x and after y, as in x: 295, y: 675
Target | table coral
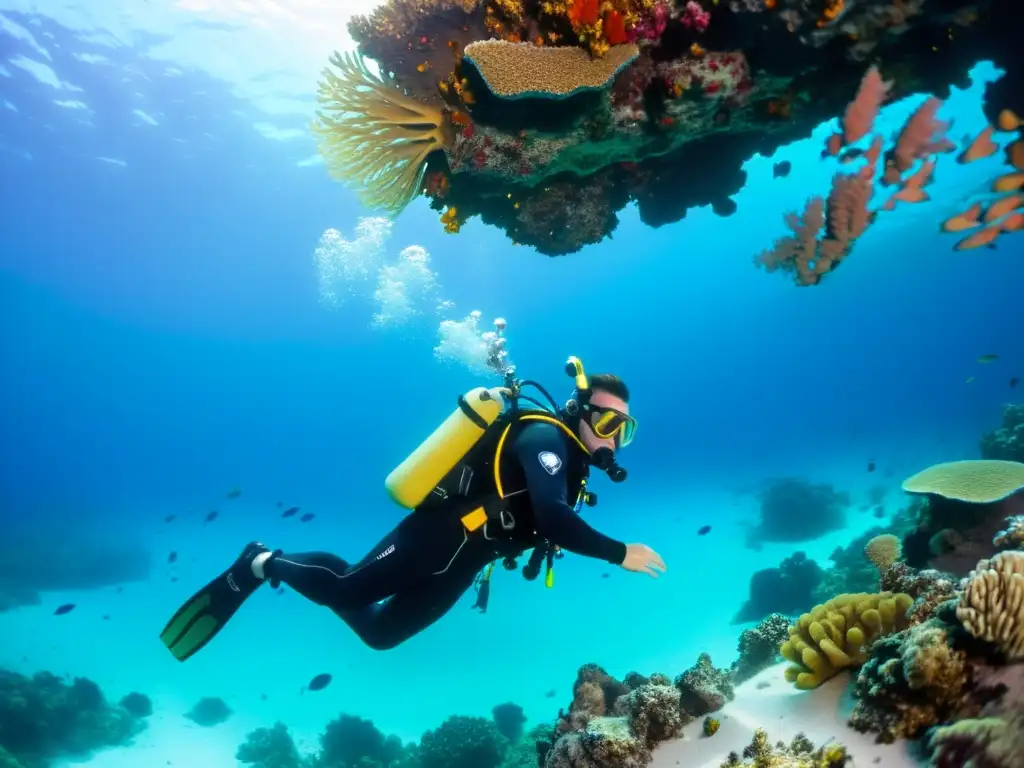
x: 978, y: 481
x: 835, y: 636
x: 992, y: 605
x: 515, y: 70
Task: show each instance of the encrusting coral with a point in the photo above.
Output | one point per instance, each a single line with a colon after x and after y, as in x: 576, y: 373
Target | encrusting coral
x: 834, y: 636
x: 515, y: 70
x: 800, y: 753
x: 374, y: 137
x: 992, y: 604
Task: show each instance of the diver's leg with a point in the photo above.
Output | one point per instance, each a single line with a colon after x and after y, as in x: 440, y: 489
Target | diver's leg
x: 421, y: 545
x: 415, y: 608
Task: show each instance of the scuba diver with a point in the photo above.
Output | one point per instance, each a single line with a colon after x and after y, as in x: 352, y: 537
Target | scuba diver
x: 494, y: 480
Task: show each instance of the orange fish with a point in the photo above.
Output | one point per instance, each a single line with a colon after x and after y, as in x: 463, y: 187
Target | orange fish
x: 1011, y: 182
x: 986, y: 236
x: 911, y: 194
x: 834, y: 144
x: 1014, y: 222
x: 1002, y: 207
x: 969, y: 219
x: 921, y: 176
x: 1008, y: 120
x: 980, y: 148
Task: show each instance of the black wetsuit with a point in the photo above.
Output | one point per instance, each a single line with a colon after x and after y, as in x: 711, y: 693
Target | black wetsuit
x: 430, y: 560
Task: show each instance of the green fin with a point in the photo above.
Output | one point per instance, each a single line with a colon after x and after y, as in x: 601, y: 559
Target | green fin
x: 205, y: 614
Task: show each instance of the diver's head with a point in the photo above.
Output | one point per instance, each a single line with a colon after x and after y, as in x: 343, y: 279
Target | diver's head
x: 604, y: 420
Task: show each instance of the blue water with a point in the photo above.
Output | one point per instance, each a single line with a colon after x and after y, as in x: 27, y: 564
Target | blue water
x: 164, y: 340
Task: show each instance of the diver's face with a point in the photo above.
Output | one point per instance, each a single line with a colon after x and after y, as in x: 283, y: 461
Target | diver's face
x: 601, y: 399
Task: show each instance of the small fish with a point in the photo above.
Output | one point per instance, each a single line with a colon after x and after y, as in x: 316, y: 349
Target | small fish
x: 781, y: 169
x: 704, y: 530
x: 1008, y: 121
x: 968, y: 380
x: 991, y: 358
x: 1009, y: 182
x: 170, y: 518
x: 1002, y: 207
x: 979, y: 148
x: 550, y: 694
x: 605, y: 575
x: 234, y: 493
x: 980, y: 238
x: 66, y: 608
x: 320, y: 682
x: 210, y: 517
x: 290, y: 512
x: 106, y: 617
x: 280, y: 590
x: 871, y: 466
x: 969, y: 219
x: 263, y: 697
x: 306, y: 517
x: 279, y: 504
x: 172, y: 557
x: 850, y: 155
x: 1014, y: 382
x: 174, y: 578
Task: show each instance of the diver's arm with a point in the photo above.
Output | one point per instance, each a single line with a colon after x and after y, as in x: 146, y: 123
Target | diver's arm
x: 537, y: 448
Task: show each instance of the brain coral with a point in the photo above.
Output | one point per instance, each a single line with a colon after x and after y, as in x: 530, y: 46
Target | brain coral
x: 883, y: 550
x: 980, y: 481
x: 992, y: 604
x: 834, y: 636
x: 516, y: 70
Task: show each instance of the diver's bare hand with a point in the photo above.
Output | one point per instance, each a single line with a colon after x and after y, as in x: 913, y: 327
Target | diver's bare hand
x: 642, y: 559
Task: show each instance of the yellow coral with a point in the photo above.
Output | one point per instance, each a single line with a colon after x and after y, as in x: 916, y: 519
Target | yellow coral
x: 800, y: 753
x: 372, y: 136
x: 835, y: 636
x: 883, y: 550
x: 992, y: 604
x: 980, y: 481
x: 521, y: 69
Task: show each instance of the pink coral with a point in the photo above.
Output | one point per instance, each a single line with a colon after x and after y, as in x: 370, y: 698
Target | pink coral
x: 652, y: 26
x: 922, y: 135
x: 861, y: 112
x: 695, y: 17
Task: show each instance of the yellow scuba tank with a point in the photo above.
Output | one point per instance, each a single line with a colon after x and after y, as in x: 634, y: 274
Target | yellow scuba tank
x: 413, y: 480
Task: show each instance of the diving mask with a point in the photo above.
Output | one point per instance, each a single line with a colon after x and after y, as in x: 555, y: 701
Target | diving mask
x: 611, y: 423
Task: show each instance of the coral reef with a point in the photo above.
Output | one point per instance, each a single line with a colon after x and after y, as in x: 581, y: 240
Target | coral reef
x: 606, y: 742
x: 914, y: 680
x: 801, y: 753
x: 796, y: 510
x: 983, y: 742
x: 970, y: 513
x: 462, y: 742
x: 759, y: 647
x: 883, y: 550
x: 354, y: 741
x: 43, y: 718
x: 1006, y: 441
x: 703, y: 689
x: 709, y: 85
x: 209, y: 711
x: 992, y: 604
x: 786, y: 589
x: 653, y: 712
x: 835, y: 636
x: 271, y: 748
x: 509, y: 720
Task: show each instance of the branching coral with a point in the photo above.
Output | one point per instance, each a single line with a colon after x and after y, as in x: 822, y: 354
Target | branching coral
x: 374, y: 137
x: 801, y: 753
x: 515, y: 70
x: 835, y: 636
x: 992, y: 605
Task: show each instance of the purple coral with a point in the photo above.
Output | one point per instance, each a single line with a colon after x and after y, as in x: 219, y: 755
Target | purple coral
x: 651, y: 26
x: 695, y: 17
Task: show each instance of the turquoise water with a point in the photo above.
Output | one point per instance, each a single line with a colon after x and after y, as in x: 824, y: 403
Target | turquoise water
x: 169, y: 334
